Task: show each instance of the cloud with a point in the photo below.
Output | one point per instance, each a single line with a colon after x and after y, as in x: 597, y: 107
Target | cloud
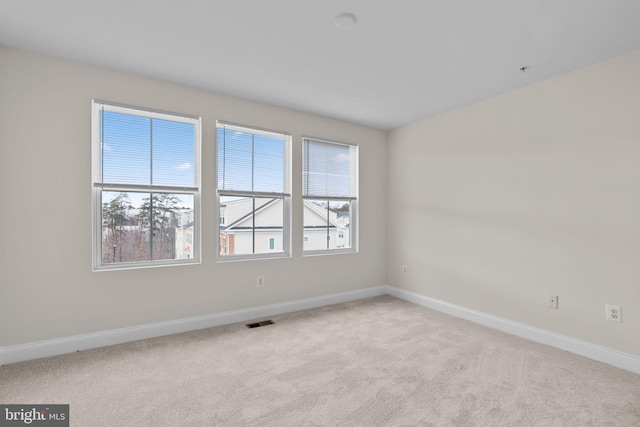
x: 106, y: 147
x: 185, y: 166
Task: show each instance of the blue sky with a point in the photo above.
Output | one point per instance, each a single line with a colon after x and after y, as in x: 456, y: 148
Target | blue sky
x: 152, y: 151
x: 141, y: 150
x: 239, y: 169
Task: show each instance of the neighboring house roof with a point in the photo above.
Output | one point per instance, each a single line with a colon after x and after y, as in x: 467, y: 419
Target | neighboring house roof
x: 322, y: 213
x: 237, y: 224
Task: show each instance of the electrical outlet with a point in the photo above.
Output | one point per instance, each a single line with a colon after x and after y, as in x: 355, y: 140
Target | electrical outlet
x: 260, y: 281
x: 552, y: 301
x: 405, y: 270
x: 614, y: 313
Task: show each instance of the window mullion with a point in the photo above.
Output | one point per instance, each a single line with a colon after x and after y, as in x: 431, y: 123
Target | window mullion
x: 253, y: 184
x: 150, y: 151
x: 101, y: 145
x: 328, y: 225
x: 150, y: 226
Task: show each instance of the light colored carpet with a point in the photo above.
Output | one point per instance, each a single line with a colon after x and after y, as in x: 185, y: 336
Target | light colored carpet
x: 379, y: 361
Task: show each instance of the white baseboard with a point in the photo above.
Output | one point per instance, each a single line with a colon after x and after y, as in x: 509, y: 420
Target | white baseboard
x: 582, y: 348
x: 36, y: 350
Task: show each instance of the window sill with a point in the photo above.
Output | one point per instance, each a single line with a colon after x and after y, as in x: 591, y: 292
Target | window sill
x: 252, y: 257
x: 139, y: 265
x: 329, y: 252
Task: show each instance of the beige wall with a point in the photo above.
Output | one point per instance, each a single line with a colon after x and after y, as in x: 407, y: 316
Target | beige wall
x: 535, y: 192
x: 48, y: 289
x: 492, y: 207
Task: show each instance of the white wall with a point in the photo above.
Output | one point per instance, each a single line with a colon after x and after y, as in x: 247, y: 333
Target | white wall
x: 535, y: 192
x: 48, y: 289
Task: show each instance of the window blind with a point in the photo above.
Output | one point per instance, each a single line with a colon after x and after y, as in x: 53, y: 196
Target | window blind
x: 328, y: 169
x: 251, y: 160
x: 138, y: 150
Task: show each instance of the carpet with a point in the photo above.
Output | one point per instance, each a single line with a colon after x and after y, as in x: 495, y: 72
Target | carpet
x: 374, y: 362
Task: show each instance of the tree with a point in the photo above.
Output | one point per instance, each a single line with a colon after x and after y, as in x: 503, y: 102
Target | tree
x: 115, y: 215
x: 344, y: 208
x: 158, y: 218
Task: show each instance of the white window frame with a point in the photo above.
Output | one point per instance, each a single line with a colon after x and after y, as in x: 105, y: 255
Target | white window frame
x: 353, y: 200
x: 98, y: 186
x: 284, y: 196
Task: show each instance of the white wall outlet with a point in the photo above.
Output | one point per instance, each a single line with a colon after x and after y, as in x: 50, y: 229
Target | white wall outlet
x: 614, y: 313
x: 260, y: 281
x: 405, y: 270
x: 552, y: 301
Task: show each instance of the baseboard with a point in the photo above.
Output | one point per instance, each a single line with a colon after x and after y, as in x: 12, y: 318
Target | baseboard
x: 23, y: 352
x: 582, y: 348
x: 37, y: 350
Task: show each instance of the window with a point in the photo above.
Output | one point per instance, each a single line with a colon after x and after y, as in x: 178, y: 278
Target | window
x: 146, y: 191
x: 253, y: 192
x: 223, y: 213
x: 330, y: 188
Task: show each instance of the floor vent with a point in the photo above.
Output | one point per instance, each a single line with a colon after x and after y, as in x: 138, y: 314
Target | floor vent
x: 258, y: 324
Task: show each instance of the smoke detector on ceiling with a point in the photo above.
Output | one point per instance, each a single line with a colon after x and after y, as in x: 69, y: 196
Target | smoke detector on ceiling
x: 345, y: 20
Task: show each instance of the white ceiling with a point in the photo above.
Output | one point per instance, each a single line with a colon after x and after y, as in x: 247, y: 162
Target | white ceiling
x: 404, y: 60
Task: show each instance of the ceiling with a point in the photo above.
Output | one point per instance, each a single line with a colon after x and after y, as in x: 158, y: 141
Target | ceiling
x: 404, y: 60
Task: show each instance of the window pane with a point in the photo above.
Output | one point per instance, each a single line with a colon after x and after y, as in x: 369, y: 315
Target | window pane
x: 143, y: 151
x: 235, y: 160
x: 326, y: 224
x: 146, y: 226
x: 250, y: 223
x: 343, y: 223
x: 236, y: 234
x: 269, y: 219
x: 126, y: 148
x: 268, y: 164
x: 250, y: 162
x: 173, y: 152
x: 327, y: 169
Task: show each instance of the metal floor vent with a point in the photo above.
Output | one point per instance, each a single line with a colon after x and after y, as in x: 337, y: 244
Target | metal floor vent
x: 258, y: 324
